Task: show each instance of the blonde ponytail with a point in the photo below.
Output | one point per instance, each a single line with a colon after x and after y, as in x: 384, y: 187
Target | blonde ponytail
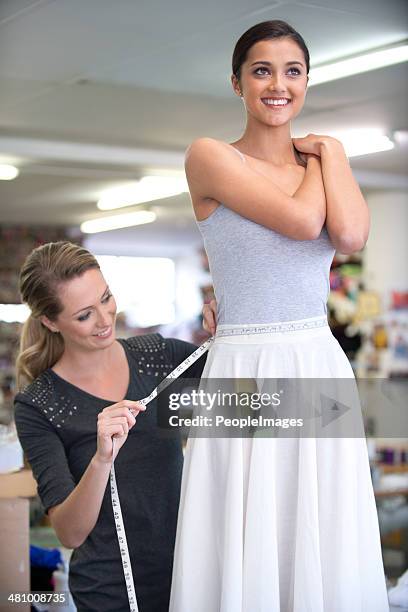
x: 39, y: 349
x: 44, y: 270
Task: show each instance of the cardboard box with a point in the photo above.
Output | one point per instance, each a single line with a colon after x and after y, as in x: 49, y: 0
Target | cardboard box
x: 15, y: 559
x: 14, y: 536
x: 18, y: 484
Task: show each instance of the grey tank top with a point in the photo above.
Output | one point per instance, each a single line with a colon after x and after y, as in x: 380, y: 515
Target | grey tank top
x: 261, y: 276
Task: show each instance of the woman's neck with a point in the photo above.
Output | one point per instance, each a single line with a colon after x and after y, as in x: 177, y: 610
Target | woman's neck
x: 269, y: 143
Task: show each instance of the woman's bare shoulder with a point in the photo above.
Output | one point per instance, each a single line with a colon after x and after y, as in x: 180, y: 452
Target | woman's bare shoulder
x: 206, y: 147
x: 207, y: 162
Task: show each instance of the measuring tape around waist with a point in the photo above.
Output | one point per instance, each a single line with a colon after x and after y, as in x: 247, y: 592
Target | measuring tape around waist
x: 117, y: 512
x: 270, y: 328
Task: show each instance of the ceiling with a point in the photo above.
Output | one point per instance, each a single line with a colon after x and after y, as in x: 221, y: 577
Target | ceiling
x: 96, y: 93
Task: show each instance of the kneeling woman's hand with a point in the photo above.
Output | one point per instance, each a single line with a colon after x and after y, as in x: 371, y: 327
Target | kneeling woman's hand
x: 115, y: 422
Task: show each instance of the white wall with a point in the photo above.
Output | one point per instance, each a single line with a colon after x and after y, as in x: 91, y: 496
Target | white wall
x: 386, y: 252
x: 189, y: 277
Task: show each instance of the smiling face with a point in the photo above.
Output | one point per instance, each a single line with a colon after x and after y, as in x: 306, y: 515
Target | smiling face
x: 273, y: 81
x: 87, y: 320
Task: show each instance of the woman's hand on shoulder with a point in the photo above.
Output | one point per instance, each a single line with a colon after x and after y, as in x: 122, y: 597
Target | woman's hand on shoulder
x: 312, y: 143
x: 216, y: 172
x: 115, y: 421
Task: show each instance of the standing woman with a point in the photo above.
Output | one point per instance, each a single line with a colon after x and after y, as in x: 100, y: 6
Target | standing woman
x: 83, y: 392
x: 278, y: 524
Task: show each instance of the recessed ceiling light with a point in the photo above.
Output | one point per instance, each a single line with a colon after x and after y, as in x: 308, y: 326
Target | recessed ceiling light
x: 7, y: 172
x: 104, y: 224
x: 357, y: 64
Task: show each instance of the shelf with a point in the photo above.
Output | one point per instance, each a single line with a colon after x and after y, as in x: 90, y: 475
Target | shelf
x: 390, y: 492
x: 387, y: 468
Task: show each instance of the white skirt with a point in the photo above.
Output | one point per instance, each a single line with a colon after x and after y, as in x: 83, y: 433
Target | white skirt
x: 277, y: 524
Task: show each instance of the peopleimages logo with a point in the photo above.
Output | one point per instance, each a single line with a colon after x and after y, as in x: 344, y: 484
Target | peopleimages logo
x: 222, y: 399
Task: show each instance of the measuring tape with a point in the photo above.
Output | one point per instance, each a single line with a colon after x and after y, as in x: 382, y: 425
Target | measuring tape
x: 117, y: 512
x: 245, y: 330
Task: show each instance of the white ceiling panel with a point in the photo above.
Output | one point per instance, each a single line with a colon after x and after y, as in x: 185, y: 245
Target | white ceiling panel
x: 68, y: 39
x: 95, y: 75
x: 201, y: 62
x: 15, y: 9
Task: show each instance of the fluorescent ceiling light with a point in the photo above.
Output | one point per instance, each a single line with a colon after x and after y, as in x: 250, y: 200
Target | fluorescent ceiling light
x: 7, y: 172
x: 104, y: 224
x: 358, y: 64
x: 148, y: 189
x: 362, y: 141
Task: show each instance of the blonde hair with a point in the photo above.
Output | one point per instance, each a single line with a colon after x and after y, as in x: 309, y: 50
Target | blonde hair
x: 43, y: 271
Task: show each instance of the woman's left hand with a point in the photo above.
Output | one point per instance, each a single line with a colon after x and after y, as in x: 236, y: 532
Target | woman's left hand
x: 210, y: 317
x: 311, y: 143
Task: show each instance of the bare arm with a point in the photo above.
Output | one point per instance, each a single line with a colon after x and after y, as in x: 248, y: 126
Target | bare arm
x: 76, y: 516
x: 312, y: 192
x: 348, y: 218
x: 215, y: 171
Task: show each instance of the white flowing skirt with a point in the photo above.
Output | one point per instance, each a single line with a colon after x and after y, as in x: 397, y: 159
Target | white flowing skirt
x: 278, y: 524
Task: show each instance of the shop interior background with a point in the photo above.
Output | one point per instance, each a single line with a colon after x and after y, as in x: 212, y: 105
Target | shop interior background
x: 96, y: 95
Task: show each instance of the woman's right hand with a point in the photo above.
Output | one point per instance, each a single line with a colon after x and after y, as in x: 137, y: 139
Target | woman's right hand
x: 210, y: 317
x: 115, y: 422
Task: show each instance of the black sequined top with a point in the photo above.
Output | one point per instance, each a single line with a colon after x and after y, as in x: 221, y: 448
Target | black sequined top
x: 56, y: 423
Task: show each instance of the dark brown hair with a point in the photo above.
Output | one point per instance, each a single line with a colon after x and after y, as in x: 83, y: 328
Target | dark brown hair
x: 265, y: 30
